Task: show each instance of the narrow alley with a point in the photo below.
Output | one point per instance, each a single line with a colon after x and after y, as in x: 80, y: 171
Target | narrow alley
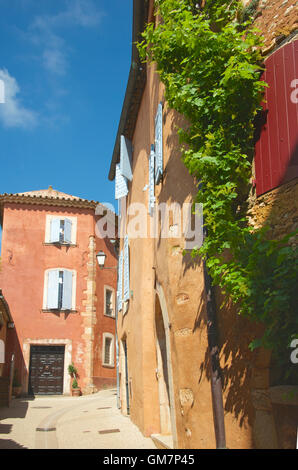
x: 61, y: 422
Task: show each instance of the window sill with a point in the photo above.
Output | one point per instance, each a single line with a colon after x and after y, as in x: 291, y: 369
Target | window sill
x: 73, y: 245
x: 109, y: 366
x: 109, y: 316
x: 58, y: 310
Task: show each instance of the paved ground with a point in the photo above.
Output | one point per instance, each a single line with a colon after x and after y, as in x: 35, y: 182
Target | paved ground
x: 86, y: 422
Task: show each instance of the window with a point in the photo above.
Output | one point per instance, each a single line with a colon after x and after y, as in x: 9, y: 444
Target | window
x: 108, y: 344
x: 109, y: 302
x: 59, y: 289
x: 2, y: 352
x: 108, y: 350
x: 61, y: 230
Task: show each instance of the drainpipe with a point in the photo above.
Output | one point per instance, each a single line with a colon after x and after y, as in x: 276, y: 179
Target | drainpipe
x: 215, y: 370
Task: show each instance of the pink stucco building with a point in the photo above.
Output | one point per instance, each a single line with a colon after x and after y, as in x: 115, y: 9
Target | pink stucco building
x: 62, y: 302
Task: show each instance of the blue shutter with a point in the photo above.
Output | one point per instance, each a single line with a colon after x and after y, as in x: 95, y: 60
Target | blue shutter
x: 120, y: 274
x: 67, y: 290
x: 126, y: 269
x: 55, y: 231
x: 158, y: 145
x: 126, y: 158
x: 121, y: 188
x: 151, y: 197
x: 53, y: 286
x: 67, y: 230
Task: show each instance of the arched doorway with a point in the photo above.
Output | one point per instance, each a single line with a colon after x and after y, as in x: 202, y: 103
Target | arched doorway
x: 164, y: 368
x: 162, y: 372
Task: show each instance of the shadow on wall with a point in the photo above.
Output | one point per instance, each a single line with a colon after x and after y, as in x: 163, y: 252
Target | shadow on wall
x: 13, y: 348
x: 234, y: 335
x: 247, y: 376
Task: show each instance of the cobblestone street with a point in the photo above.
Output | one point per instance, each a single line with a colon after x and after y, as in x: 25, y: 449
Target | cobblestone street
x: 86, y: 422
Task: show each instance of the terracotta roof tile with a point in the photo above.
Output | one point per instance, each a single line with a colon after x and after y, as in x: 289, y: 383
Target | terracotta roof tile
x: 50, y: 192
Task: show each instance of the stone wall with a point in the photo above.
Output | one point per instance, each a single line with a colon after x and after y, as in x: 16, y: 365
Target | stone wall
x: 277, y: 208
x: 276, y: 19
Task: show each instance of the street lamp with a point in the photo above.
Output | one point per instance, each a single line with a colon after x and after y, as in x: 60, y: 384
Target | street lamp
x: 101, y: 257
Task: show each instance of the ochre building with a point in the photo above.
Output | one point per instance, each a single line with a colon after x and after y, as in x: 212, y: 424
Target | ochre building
x: 164, y: 363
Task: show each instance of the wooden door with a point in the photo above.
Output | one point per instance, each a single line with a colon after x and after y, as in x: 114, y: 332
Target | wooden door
x: 46, y: 370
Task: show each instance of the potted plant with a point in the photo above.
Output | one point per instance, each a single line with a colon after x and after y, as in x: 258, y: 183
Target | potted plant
x: 75, y: 389
x: 16, y: 386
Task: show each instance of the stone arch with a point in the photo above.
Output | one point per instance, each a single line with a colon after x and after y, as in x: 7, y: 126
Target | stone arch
x: 164, y: 367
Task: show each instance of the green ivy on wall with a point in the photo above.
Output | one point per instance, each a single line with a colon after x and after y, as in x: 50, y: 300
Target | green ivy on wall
x: 210, y: 62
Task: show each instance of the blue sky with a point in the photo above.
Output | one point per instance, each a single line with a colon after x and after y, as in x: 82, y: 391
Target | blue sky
x: 65, y: 64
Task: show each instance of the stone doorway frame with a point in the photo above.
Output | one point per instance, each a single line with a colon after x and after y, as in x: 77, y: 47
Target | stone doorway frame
x: 47, y: 342
x: 160, y: 297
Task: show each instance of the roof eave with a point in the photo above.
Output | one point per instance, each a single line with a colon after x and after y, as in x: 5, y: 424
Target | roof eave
x: 135, y: 86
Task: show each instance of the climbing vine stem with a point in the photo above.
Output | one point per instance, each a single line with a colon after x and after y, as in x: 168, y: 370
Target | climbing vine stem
x: 210, y: 63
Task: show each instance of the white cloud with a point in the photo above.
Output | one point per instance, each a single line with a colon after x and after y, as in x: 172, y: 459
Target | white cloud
x: 45, y: 32
x: 54, y: 60
x: 12, y: 112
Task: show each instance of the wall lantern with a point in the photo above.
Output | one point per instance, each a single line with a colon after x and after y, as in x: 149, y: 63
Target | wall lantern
x: 101, y: 257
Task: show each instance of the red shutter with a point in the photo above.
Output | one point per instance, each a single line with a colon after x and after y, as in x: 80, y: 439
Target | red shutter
x: 276, y: 152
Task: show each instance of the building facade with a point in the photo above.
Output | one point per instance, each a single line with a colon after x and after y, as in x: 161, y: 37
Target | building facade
x: 63, y: 305
x: 164, y: 363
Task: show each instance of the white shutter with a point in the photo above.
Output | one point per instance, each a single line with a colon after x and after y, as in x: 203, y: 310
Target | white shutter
x: 125, y: 157
x: 55, y: 231
x: 158, y: 145
x: 67, y: 290
x: 119, y: 286
x: 53, y: 286
x: 151, y: 197
x: 121, y: 188
x: 67, y: 230
x: 126, y: 269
